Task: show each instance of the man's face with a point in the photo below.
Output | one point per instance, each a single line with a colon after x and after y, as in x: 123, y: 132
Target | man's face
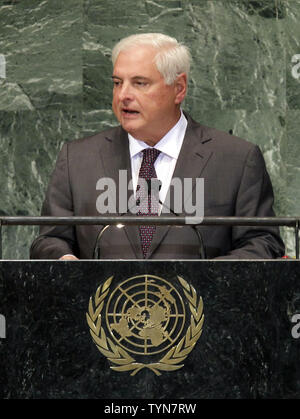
x: 144, y: 105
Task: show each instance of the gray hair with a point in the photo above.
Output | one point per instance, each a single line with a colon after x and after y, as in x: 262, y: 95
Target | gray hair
x: 171, y: 59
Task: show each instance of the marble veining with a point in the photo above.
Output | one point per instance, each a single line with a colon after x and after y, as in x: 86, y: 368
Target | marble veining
x: 56, y: 85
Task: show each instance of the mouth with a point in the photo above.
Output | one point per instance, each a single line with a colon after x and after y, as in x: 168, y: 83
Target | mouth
x: 129, y: 112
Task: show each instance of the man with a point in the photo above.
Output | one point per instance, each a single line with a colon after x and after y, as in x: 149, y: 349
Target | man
x: 150, y: 77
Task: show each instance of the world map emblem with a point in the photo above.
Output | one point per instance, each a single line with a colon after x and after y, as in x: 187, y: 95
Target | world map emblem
x: 142, y: 323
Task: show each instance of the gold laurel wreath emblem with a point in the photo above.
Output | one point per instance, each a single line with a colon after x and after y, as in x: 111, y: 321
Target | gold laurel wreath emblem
x: 115, y: 354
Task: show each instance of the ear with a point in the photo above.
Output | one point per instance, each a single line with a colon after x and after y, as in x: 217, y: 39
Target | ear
x: 180, y: 88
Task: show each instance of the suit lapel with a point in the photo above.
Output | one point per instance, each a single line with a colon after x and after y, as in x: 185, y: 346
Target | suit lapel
x: 114, y: 154
x: 193, y: 156
x: 191, y: 162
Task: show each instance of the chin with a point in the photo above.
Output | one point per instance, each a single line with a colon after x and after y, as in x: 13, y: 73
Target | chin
x: 132, y: 129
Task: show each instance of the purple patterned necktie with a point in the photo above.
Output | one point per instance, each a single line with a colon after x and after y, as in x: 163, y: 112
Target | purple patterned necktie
x: 148, y: 202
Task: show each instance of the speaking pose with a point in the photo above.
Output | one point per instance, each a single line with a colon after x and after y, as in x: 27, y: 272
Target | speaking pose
x: 157, y: 140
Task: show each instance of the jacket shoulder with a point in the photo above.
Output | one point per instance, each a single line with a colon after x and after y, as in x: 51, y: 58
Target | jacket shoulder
x: 95, y: 139
x: 220, y: 141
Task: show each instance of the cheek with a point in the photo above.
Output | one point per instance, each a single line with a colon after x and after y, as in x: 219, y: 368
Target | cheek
x: 114, y: 102
x: 155, y: 101
x: 162, y: 96
x: 161, y: 104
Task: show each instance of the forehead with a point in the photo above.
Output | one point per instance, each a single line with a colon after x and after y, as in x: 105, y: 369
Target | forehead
x: 134, y: 61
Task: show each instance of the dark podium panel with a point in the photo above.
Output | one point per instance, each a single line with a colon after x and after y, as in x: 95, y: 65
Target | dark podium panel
x: 246, y: 349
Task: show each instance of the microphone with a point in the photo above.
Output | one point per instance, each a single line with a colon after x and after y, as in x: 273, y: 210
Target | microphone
x: 157, y: 187
x: 96, y: 252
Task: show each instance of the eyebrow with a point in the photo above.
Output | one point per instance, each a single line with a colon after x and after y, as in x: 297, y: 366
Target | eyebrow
x: 132, y: 78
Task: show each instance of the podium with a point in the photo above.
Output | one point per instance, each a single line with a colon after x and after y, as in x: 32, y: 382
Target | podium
x: 237, y: 344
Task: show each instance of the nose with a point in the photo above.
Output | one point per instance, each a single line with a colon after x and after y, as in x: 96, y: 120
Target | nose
x: 125, y: 92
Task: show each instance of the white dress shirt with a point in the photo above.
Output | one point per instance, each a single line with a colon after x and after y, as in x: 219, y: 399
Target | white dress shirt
x: 169, y: 147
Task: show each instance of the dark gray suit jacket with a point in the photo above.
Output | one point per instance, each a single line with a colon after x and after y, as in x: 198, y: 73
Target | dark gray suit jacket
x: 235, y: 180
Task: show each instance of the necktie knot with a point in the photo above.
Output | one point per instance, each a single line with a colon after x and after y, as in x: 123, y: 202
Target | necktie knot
x: 150, y: 155
x: 147, y: 170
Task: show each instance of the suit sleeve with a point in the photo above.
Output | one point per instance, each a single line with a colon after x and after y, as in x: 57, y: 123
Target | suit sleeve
x: 56, y: 241
x: 255, y: 199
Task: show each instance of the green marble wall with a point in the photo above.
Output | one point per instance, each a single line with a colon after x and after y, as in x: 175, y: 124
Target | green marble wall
x: 55, y: 85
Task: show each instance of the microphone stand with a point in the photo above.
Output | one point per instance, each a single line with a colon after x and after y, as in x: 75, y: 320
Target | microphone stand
x: 96, y: 252
x: 200, y: 239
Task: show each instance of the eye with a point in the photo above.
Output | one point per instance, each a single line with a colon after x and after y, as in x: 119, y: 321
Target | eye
x: 116, y: 83
x: 141, y: 83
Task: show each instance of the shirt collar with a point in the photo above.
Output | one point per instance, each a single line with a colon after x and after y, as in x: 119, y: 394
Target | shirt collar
x: 170, y: 144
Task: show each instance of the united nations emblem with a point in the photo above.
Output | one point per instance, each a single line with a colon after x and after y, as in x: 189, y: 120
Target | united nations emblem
x: 145, y: 319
